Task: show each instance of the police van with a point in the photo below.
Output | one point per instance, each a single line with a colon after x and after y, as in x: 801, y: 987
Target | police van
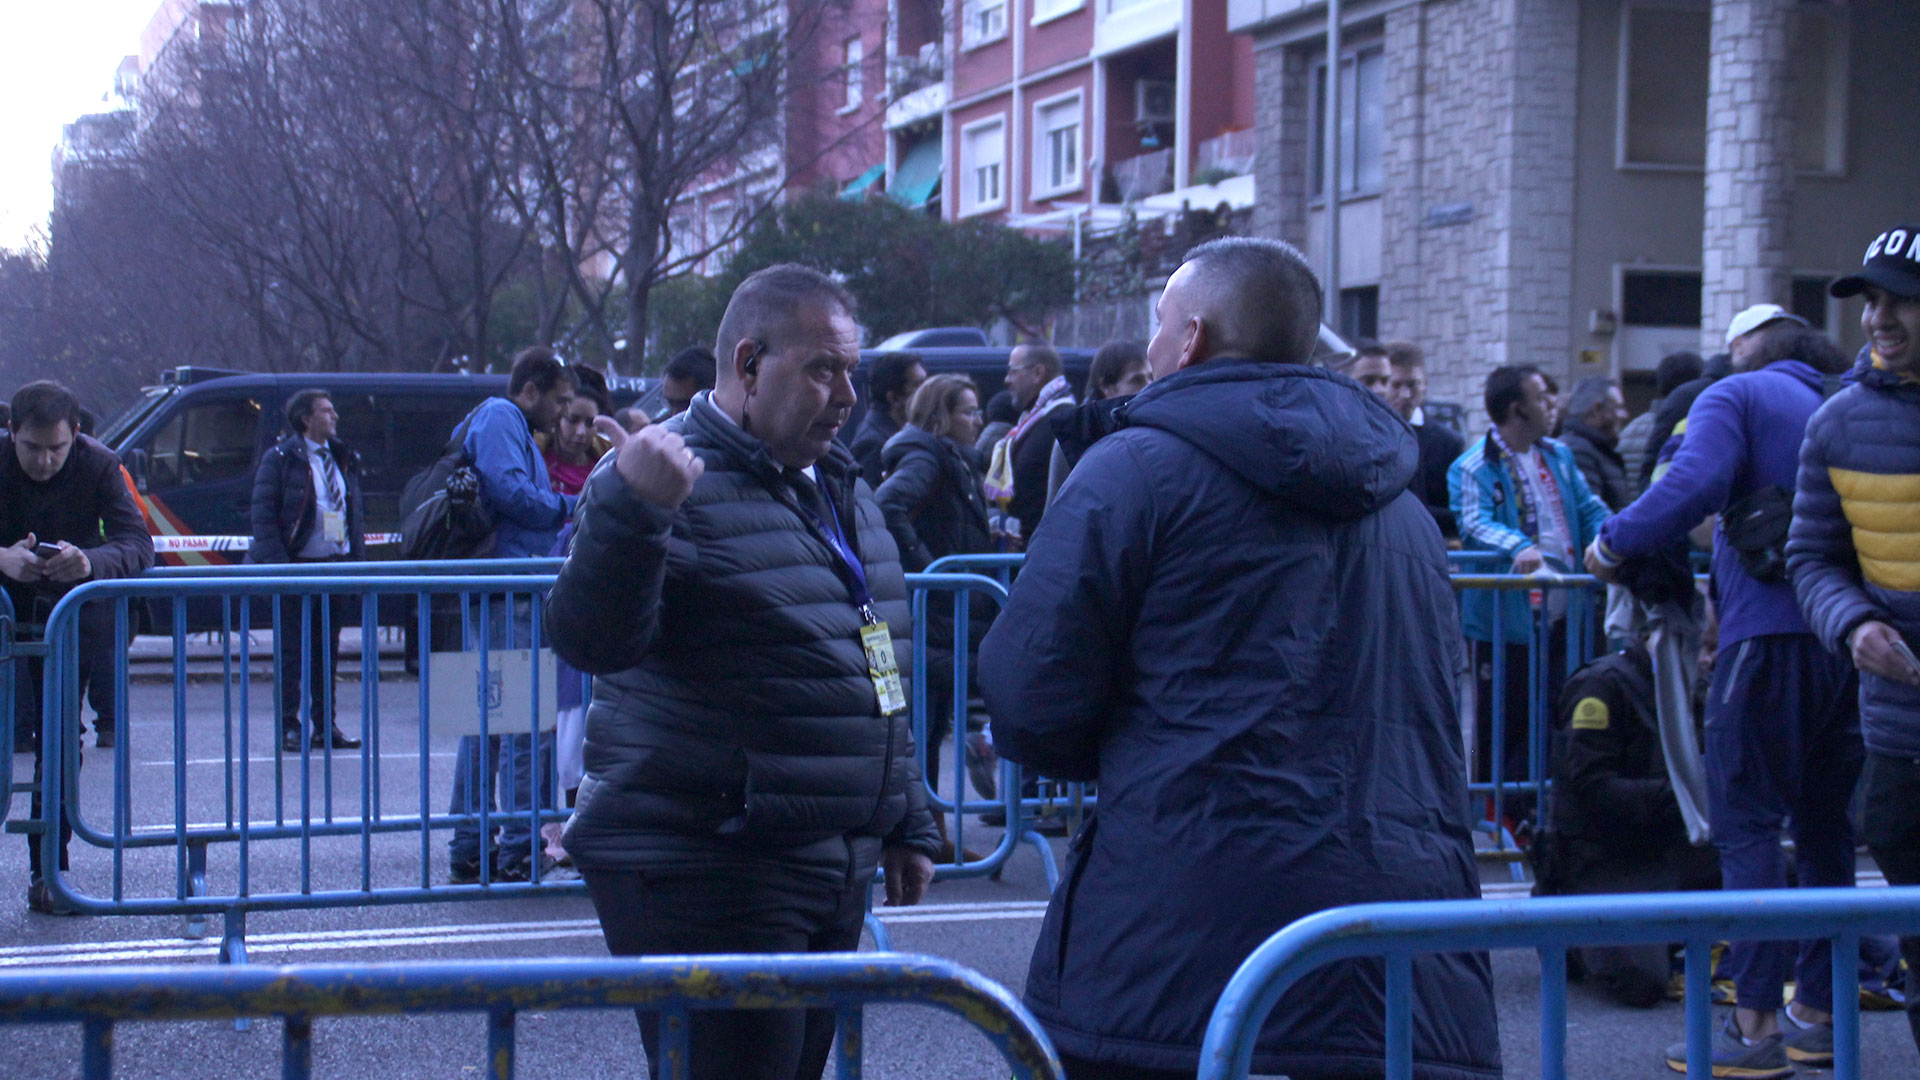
x: 192, y: 445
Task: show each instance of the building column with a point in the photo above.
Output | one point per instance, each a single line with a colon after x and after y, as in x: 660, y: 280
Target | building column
x: 1745, y: 253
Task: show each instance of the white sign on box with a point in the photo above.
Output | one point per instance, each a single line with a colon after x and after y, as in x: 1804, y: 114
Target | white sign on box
x: 456, y: 691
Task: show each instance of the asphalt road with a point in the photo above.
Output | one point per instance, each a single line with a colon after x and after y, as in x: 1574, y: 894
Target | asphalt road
x: 987, y: 925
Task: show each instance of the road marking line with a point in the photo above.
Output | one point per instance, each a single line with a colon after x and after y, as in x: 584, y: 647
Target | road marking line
x: 294, y: 759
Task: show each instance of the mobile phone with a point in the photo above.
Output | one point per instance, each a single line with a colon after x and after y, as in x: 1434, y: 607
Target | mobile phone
x: 46, y: 551
x: 1906, y: 654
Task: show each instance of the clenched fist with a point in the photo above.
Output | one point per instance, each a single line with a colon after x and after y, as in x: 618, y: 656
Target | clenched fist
x: 658, y: 467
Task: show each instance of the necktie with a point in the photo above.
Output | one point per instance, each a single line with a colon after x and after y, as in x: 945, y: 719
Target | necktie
x: 335, y: 500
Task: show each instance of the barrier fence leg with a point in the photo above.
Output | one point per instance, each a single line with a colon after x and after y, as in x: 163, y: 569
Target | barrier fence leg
x: 96, y: 1049
x: 500, y: 1044
x: 1029, y: 836
x: 882, y: 939
x: 1553, y: 1013
x: 1399, y: 1031
x: 1846, y: 1007
x: 675, y: 1044
x: 233, y: 950
x: 196, y: 927
x: 1699, y: 1010
x: 296, y: 1049
x: 848, y: 1037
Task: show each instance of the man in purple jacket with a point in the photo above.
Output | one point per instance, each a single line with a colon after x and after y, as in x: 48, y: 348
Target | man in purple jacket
x: 1783, y: 727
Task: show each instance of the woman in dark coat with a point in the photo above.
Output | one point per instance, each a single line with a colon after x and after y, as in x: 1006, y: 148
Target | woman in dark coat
x: 935, y: 507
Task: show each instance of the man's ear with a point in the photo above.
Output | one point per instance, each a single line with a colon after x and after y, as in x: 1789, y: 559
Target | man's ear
x: 1195, y: 350
x: 746, y: 361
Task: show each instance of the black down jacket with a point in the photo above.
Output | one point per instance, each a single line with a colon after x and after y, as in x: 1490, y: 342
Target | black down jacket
x: 932, y: 499
x: 733, y: 720
x: 1238, y: 620
x: 283, y: 515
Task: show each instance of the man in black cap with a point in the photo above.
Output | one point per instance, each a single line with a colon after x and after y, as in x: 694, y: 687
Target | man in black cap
x: 1854, y: 549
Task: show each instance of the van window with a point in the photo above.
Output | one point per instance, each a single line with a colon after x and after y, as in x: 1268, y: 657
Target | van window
x: 205, y: 443
x: 396, y: 436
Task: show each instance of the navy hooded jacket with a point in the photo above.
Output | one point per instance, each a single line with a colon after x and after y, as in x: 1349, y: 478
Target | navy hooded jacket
x: 1854, y: 551
x: 1237, y: 618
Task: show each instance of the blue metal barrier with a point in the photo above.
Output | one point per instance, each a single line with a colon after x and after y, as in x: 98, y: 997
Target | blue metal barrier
x: 1399, y: 932
x: 675, y: 987
x: 11, y: 668
x: 273, y: 599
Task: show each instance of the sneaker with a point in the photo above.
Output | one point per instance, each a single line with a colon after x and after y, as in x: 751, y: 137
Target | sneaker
x: 41, y: 901
x: 1734, y: 1057
x: 983, y: 765
x: 103, y: 736
x: 464, y: 873
x: 1810, y: 1044
x: 522, y: 870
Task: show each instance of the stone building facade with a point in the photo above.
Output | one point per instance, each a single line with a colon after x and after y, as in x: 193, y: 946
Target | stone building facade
x: 1587, y: 184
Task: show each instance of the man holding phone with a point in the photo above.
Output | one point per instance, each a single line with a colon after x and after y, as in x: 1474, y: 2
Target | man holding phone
x: 66, y: 517
x: 1854, y: 550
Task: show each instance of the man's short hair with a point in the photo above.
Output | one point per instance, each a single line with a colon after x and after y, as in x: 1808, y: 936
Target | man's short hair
x: 539, y: 367
x: 1041, y: 355
x: 695, y: 363
x: 1785, y: 340
x: 1114, y: 360
x: 1258, y: 298
x: 44, y: 403
x: 301, y: 405
x: 1405, y: 354
x: 763, y: 307
x: 888, y: 376
x: 1507, y: 387
x: 1367, y: 346
x: 1587, y: 393
x: 1675, y: 370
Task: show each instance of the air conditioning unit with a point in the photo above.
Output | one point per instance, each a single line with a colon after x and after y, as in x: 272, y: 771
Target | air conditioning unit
x: 1153, y: 101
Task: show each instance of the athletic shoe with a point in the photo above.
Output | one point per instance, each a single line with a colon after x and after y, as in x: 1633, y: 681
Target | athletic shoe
x: 1806, y: 1045
x: 103, y: 736
x: 41, y: 901
x: 983, y: 765
x: 1733, y: 1057
x: 464, y: 873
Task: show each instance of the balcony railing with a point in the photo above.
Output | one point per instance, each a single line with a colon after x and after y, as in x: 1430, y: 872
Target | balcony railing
x: 916, y: 70
x: 1225, y: 155
x: 1148, y: 174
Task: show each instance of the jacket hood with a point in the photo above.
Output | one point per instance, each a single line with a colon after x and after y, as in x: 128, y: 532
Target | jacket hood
x: 1320, y: 441
x: 910, y: 438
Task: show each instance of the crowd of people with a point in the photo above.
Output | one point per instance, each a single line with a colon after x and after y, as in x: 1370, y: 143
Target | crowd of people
x: 1234, y: 614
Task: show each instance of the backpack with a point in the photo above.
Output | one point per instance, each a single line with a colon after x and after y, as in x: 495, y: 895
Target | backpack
x: 1756, y: 528
x: 441, y: 512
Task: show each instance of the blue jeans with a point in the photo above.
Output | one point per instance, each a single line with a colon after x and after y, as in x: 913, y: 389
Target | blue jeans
x: 510, y: 764
x: 510, y: 767
x: 1782, y: 744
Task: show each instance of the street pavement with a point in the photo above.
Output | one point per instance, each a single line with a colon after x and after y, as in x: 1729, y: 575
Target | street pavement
x: 987, y: 925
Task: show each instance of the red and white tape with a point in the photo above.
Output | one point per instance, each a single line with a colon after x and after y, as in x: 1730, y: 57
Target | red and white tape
x: 173, y: 544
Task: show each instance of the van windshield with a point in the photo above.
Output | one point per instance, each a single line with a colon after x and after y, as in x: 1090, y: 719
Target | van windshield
x: 130, y: 417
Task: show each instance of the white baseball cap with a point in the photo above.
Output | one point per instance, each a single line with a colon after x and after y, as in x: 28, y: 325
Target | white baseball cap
x: 1758, y: 316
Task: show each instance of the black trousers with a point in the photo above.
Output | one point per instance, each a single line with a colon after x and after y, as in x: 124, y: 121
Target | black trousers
x: 323, y: 652
x: 1892, y: 833
x: 98, y: 650
x: 649, y: 913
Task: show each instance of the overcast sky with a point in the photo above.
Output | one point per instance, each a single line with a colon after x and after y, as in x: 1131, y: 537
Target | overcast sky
x: 56, y: 60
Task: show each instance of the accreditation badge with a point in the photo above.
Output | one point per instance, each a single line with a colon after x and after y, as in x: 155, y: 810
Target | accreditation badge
x: 333, y: 526
x: 877, y: 641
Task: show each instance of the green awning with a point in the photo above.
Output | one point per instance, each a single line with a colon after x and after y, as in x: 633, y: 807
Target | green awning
x: 917, y: 175
x: 857, y: 187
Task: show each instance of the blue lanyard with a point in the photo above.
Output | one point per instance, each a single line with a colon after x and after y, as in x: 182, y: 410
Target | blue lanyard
x: 836, y: 538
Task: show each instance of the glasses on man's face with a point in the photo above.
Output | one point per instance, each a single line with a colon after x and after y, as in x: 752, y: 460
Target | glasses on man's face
x: 970, y: 413
x: 1015, y: 369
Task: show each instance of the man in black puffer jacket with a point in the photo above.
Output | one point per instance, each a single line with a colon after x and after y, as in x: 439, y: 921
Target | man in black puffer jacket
x: 307, y: 508
x: 749, y: 761
x: 1238, y: 620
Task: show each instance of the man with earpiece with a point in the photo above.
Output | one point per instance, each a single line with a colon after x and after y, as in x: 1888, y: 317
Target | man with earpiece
x: 735, y: 592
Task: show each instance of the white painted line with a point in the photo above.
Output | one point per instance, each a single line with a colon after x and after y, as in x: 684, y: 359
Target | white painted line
x: 294, y: 758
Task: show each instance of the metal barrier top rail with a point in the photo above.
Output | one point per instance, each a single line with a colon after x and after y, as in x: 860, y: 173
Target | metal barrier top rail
x: 1401, y: 931
x: 675, y: 986
x: 442, y: 568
